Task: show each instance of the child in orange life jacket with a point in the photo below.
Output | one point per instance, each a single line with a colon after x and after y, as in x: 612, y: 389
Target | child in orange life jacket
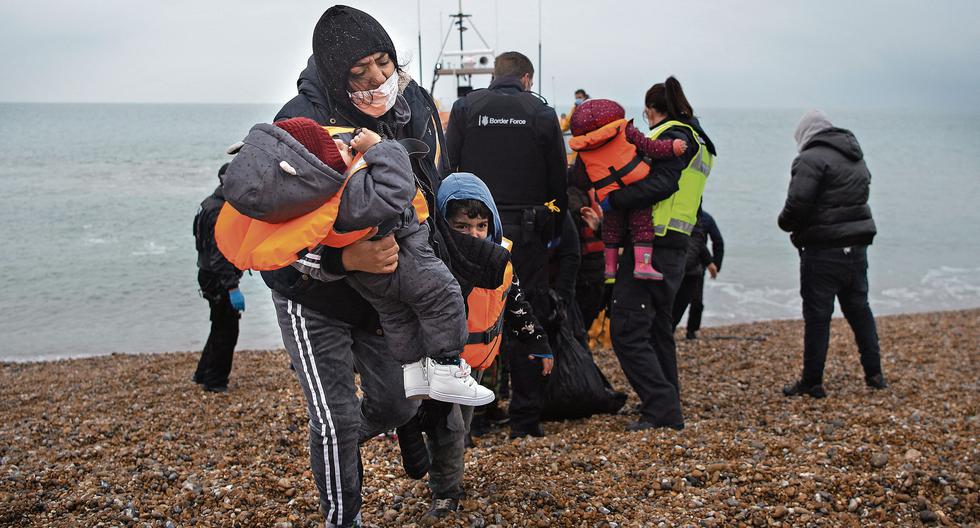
x: 605, y: 140
x: 420, y: 304
x: 466, y: 203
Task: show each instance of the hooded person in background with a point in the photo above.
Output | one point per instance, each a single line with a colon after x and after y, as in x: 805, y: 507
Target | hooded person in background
x: 218, y: 280
x: 830, y: 223
x: 329, y: 330
x: 699, y: 260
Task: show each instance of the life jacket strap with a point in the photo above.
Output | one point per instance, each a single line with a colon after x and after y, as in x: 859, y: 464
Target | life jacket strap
x: 486, y: 337
x: 616, y: 175
x: 594, y: 246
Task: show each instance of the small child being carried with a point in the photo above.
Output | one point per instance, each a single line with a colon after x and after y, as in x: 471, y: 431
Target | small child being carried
x: 420, y: 305
x: 616, y: 154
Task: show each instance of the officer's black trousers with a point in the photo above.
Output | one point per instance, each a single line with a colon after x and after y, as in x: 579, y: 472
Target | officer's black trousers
x: 592, y: 297
x: 215, y: 364
x: 642, y: 330
x: 824, y: 275
x: 530, y: 259
x: 691, y: 293
x: 527, y: 386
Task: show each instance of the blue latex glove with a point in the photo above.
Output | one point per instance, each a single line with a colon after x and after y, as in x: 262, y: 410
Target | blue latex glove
x: 237, y: 299
x: 541, y: 350
x: 544, y: 355
x: 605, y: 205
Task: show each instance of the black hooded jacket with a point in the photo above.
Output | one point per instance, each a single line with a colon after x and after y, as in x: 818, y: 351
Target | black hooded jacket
x: 698, y: 254
x: 827, y: 202
x: 337, y: 299
x: 222, y: 275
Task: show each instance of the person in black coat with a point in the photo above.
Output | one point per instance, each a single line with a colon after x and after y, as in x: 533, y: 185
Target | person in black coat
x: 508, y: 137
x: 699, y: 260
x: 218, y: 280
x: 329, y: 330
x: 830, y: 223
x: 641, y: 325
x: 591, y: 291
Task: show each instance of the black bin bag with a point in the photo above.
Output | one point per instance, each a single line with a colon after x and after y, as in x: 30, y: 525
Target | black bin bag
x: 577, y: 388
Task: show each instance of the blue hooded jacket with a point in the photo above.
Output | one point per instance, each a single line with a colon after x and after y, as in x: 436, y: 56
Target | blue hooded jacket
x: 466, y: 186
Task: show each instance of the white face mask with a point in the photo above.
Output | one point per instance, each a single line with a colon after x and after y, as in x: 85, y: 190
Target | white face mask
x: 378, y: 101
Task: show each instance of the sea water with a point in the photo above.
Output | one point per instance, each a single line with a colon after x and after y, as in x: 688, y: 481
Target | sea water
x: 97, y: 202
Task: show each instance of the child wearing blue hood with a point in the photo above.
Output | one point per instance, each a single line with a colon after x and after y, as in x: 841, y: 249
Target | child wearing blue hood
x: 467, y: 205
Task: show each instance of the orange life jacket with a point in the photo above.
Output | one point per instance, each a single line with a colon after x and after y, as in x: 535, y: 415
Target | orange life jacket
x: 253, y: 244
x: 610, y: 160
x: 485, y: 320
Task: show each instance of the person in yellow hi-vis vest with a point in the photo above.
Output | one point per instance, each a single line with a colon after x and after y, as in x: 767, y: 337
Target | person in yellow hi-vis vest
x: 642, y: 311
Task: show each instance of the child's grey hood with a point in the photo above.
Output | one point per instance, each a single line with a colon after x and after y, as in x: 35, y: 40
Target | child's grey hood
x: 273, y: 178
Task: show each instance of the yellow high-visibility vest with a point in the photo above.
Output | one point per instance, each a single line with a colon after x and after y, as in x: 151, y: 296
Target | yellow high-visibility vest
x: 679, y: 212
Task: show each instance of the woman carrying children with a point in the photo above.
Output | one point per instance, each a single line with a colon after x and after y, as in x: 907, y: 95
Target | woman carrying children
x: 330, y: 331
x: 641, y: 314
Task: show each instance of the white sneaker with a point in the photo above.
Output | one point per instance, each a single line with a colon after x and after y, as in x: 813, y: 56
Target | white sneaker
x: 416, y: 380
x: 453, y: 384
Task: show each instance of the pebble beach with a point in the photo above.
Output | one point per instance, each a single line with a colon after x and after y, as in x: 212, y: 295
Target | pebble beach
x: 129, y: 440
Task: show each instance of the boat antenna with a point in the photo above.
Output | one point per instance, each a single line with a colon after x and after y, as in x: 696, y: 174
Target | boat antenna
x: 459, y: 23
x: 419, y: 7
x: 496, y: 24
x: 540, y: 67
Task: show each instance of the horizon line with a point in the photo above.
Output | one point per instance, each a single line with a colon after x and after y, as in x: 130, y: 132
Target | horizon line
x: 252, y: 103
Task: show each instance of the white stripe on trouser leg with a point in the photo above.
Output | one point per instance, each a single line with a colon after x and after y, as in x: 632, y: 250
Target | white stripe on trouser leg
x: 333, y: 432
x: 315, y: 402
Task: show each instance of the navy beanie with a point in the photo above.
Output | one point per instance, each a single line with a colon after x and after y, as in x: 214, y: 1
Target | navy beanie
x: 343, y: 36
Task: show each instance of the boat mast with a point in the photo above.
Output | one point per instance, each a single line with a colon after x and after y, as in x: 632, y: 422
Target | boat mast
x: 467, y: 63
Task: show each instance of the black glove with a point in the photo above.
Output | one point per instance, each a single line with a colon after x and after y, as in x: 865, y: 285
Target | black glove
x: 558, y: 310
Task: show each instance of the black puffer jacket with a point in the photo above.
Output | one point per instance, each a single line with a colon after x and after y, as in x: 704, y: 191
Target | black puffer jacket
x: 827, y: 203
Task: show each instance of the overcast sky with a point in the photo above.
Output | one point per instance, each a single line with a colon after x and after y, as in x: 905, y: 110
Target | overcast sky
x: 778, y: 53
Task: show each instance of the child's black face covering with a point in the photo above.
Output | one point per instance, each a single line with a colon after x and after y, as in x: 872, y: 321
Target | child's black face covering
x: 477, y: 226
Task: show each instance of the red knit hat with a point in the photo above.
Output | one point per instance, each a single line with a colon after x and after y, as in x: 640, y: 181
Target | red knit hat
x: 594, y: 114
x: 316, y: 140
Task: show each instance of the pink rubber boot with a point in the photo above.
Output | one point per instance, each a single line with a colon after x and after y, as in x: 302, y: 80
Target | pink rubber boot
x: 642, y: 267
x: 612, y: 257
